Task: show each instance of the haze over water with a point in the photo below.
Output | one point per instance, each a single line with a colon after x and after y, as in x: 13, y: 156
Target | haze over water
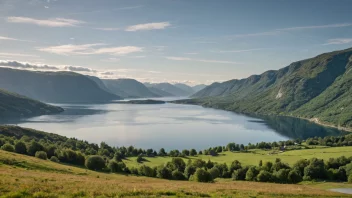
x: 169, y: 126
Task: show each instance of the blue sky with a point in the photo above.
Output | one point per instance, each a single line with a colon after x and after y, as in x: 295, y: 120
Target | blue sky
x: 189, y: 41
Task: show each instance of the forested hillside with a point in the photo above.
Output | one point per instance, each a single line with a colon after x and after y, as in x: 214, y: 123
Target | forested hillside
x: 319, y: 89
x: 54, y: 87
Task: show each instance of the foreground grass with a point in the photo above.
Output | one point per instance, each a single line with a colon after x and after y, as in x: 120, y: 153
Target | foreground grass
x: 253, y: 157
x: 24, y: 176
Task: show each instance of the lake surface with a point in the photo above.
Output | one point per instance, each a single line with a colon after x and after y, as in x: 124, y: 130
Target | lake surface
x: 169, y: 126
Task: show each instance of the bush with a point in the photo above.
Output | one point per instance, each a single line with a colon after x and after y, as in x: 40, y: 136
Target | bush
x: 178, y: 163
x: 177, y: 175
x: 140, y: 159
x: 41, y: 155
x: 163, y: 172
x: 264, y: 176
x: 189, y: 170
x: 146, y: 171
x: 251, y: 174
x: 240, y: 174
x: 54, y: 159
x: 281, y: 176
x: 350, y: 179
x: 34, y: 147
x: 202, y: 175
x: 294, y: 176
x: 20, y: 147
x: 95, y: 162
x: 116, y: 167
x: 8, y: 147
x: 214, y: 172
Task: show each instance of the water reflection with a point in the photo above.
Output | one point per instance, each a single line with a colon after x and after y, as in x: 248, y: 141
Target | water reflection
x: 171, y: 126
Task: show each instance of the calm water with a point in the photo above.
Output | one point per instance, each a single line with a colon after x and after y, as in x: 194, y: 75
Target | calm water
x: 171, y: 126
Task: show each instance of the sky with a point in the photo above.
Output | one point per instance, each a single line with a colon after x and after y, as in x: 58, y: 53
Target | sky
x: 187, y: 41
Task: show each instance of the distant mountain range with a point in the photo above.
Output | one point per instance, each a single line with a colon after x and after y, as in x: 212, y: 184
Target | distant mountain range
x: 14, y: 105
x: 53, y: 87
x: 70, y: 87
x: 318, y: 89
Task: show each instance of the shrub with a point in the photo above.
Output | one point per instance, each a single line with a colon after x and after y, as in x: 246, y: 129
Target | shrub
x: 95, y: 162
x: 264, y: 176
x: 281, y: 176
x: 140, y: 159
x: 163, y: 172
x: 34, y: 147
x: 41, y: 155
x: 177, y: 175
x: 116, y: 167
x: 20, y: 147
x: 178, y: 163
x: 214, y: 172
x: 8, y: 147
x: 146, y: 171
x: 202, y: 175
x: 294, y: 176
x: 251, y: 174
x: 50, y: 151
x: 54, y: 159
x: 189, y: 170
x: 350, y: 179
x: 240, y: 174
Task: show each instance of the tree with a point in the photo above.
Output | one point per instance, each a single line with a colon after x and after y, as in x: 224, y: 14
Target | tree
x: 95, y: 162
x: 41, y: 155
x: 34, y: 147
x: 140, y: 159
x: 193, y: 152
x: 185, y: 152
x: 260, y: 163
x: 240, y: 174
x: 294, y: 176
x: 251, y: 174
x: 300, y: 165
x: 20, y: 147
x: 118, y: 156
x: 162, y: 152
x: 235, y: 165
x: 116, y: 167
x: 264, y: 176
x: 214, y: 172
x: 8, y: 147
x: 177, y: 175
x: 202, y: 175
x: 179, y: 164
x: 281, y: 176
x: 50, y: 151
x: 190, y: 170
x: 163, y: 172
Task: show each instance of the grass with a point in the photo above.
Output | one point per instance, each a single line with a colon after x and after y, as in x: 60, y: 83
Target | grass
x: 40, y: 178
x: 255, y: 156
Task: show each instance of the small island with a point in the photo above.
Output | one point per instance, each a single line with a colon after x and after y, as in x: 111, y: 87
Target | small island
x: 141, y: 102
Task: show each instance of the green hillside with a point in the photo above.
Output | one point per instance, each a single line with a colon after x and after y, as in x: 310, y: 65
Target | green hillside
x: 14, y: 105
x: 318, y: 89
x: 128, y: 88
x: 54, y: 87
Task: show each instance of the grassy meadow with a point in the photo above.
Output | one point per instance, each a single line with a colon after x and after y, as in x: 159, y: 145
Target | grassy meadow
x: 24, y: 176
x: 253, y: 157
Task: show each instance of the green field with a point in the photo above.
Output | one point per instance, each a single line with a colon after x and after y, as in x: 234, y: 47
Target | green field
x: 24, y: 176
x: 253, y: 157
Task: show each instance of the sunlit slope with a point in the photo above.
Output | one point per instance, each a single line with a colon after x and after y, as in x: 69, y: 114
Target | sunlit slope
x: 24, y: 176
x: 291, y: 90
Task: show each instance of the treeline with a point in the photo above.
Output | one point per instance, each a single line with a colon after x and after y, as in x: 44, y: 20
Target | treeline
x: 109, y: 159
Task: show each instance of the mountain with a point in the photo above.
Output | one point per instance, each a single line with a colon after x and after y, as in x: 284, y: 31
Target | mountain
x: 129, y: 88
x: 188, y: 89
x: 100, y: 83
x: 160, y: 92
x: 319, y: 89
x: 169, y: 88
x: 14, y: 105
x: 54, y: 87
x: 197, y: 88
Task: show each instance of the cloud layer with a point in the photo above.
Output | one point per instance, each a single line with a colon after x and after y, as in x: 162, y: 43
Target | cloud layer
x: 148, y: 26
x: 55, y: 22
x: 88, y: 49
x: 338, y: 41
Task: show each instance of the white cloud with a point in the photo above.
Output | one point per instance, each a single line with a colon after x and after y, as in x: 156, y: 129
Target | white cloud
x: 238, y: 51
x: 130, y: 7
x: 55, y: 22
x: 192, y: 53
x: 4, y: 54
x: 108, y: 29
x: 338, y: 41
x: 12, y: 39
x: 200, y: 60
x: 148, y: 26
x: 88, y: 49
x: 269, y: 33
x: 317, y: 26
